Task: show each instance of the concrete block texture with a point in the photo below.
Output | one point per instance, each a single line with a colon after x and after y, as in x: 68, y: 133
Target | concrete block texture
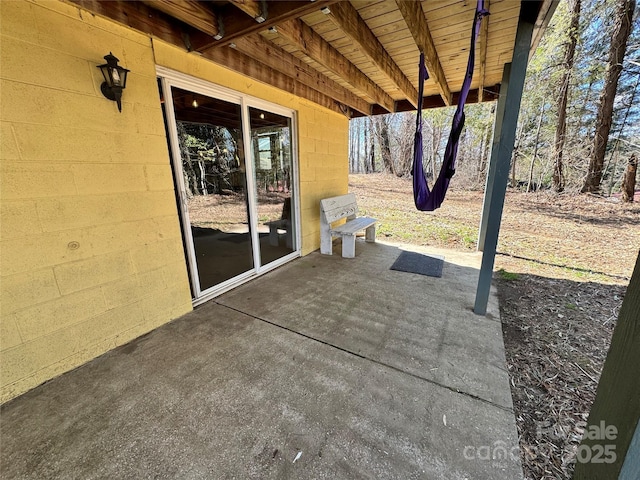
x: 87, y: 196
x: 47, y: 317
x: 26, y: 289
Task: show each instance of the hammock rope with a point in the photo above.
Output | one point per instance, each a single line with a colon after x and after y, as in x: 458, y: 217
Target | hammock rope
x: 428, y: 200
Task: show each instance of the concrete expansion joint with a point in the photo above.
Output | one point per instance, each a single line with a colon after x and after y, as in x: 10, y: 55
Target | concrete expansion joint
x: 364, y: 357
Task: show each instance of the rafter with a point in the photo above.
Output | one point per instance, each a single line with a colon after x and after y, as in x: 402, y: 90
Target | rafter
x: 252, y: 8
x: 435, y: 101
x: 275, y: 57
x: 417, y: 23
x: 545, y: 12
x: 153, y: 22
x: 484, y: 37
x: 239, y: 62
x: 237, y: 26
x: 190, y: 12
x: 347, y: 18
x: 300, y: 35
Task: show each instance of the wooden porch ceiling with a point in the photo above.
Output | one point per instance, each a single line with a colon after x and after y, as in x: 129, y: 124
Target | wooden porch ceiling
x: 357, y: 57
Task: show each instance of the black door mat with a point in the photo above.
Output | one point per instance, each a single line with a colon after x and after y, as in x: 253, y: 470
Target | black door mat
x: 412, y: 262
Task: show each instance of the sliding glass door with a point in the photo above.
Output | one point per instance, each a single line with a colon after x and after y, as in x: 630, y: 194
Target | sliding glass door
x: 214, y: 182
x: 234, y: 170
x: 272, y: 164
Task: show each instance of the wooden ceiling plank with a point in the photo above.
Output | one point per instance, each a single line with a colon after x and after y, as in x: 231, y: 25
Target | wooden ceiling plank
x: 371, y: 9
x: 462, y: 12
x: 237, y: 26
x: 391, y: 32
x: 314, y: 46
x: 190, y: 12
x: 417, y: 23
x: 461, y: 47
x: 275, y: 57
x: 346, y: 17
x: 484, y: 36
x: 456, y: 29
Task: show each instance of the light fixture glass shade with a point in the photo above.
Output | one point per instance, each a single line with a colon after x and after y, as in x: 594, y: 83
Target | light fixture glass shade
x: 115, y: 79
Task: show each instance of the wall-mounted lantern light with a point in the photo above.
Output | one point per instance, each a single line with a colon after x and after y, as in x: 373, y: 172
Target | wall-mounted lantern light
x: 115, y: 79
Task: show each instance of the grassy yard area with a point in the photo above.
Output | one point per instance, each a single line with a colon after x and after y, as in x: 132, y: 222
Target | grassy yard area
x: 584, y: 238
x: 562, y: 268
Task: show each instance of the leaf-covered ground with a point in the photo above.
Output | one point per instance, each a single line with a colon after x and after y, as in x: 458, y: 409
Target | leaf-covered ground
x: 562, y: 267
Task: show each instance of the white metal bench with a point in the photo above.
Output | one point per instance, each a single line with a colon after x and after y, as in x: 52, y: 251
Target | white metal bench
x: 336, y: 208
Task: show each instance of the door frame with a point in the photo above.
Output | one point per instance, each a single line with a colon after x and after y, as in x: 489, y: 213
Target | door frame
x: 170, y: 78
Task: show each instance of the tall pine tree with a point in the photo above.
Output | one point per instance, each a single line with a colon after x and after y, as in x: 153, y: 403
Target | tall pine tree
x: 623, y: 19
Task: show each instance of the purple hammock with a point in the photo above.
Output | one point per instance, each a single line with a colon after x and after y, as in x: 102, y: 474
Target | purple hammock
x: 425, y: 199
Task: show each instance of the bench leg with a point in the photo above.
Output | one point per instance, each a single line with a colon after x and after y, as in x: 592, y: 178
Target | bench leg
x: 326, y: 244
x: 273, y: 236
x: 370, y: 234
x: 349, y: 246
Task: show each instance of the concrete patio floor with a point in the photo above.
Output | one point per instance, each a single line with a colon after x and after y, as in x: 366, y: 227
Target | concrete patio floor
x: 355, y: 370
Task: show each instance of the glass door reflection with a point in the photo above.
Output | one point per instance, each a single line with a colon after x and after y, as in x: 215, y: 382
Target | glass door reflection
x: 272, y: 165
x: 215, y: 188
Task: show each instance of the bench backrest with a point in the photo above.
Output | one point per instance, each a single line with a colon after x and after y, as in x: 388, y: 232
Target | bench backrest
x: 335, y: 208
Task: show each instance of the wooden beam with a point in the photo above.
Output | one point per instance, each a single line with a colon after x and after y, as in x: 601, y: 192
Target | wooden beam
x: 419, y: 28
x: 545, y: 12
x: 484, y: 36
x: 300, y: 35
x: 237, y: 25
x: 346, y: 17
x: 253, y: 8
x: 191, y: 12
x: 435, y: 101
x: 138, y: 16
x: 239, y: 62
x: 256, y: 47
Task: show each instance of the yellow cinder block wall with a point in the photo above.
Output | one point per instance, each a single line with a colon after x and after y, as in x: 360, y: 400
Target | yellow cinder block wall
x: 91, y: 254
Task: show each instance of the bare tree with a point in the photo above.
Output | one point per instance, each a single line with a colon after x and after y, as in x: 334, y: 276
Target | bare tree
x: 484, y: 154
x: 372, y: 147
x: 365, y: 160
x: 624, y: 17
x: 629, y: 180
x: 561, y: 127
x: 352, y: 145
x: 612, y: 176
x: 381, y: 128
x: 535, y: 149
x: 403, y: 138
x: 356, y: 158
x: 514, y: 157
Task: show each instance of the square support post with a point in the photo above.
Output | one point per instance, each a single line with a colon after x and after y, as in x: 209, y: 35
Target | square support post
x: 503, y: 142
x: 493, y: 160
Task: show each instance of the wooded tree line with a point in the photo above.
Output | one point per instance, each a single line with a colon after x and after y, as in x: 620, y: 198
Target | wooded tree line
x: 579, y: 124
